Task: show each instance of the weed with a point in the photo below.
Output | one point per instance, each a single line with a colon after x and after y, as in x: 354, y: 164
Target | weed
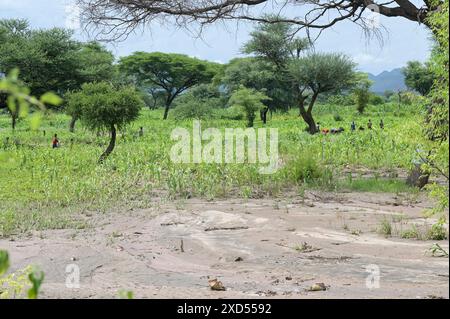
x: 385, y: 228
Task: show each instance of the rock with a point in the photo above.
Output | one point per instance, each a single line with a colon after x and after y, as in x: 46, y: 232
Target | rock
x: 417, y: 177
x: 318, y: 287
x: 239, y: 259
x: 216, y: 285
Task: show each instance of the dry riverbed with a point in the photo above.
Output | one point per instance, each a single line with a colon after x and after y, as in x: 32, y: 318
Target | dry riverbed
x: 277, y: 248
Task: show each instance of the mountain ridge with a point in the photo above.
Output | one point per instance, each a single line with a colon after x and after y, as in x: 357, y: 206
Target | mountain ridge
x: 393, y: 80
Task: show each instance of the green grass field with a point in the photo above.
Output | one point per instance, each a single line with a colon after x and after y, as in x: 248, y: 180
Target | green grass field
x: 35, y: 179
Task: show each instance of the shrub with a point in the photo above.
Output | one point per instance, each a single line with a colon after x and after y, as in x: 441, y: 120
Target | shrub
x: 437, y: 232
x: 250, y: 101
x: 303, y: 169
x: 376, y: 99
x: 199, y: 103
x: 340, y: 99
x: 337, y: 117
x: 385, y: 228
x: 411, y: 233
x: 231, y: 113
x: 193, y: 110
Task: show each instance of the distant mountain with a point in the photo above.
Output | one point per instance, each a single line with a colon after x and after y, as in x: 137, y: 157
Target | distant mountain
x: 388, y: 80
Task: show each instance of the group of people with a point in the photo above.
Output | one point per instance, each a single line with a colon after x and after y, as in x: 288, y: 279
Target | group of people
x: 353, y: 128
x: 369, y: 125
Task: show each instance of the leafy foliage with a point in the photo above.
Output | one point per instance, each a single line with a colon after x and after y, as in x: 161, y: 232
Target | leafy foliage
x: 361, y: 91
x: 102, y: 106
x: 418, y: 77
x: 250, y: 101
x: 173, y: 73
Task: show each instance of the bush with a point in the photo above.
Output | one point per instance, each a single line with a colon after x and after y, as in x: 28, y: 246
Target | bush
x: 199, y: 103
x: 193, y: 110
x: 340, y: 99
x: 337, y: 117
x: 437, y: 232
x: 250, y: 101
x: 231, y: 113
x: 376, y: 99
x: 304, y: 169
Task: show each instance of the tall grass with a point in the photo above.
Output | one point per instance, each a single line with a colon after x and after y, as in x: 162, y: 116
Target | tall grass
x: 39, y: 180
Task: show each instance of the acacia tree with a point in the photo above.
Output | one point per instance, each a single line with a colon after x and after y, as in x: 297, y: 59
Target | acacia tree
x: 120, y: 17
x: 260, y: 75
x: 95, y: 64
x: 173, y: 73
x: 419, y: 77
x: 102, y: 106
x: 46, y: 58
x: 320, y: 73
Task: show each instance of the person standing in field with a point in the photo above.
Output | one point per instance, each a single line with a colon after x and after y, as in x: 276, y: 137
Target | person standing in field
x: 369, y: 125
x: 382, y: 124
x: 353, y: 126
x: 55, y: 141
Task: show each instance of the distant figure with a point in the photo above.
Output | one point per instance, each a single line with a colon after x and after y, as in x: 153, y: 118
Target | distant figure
x: 264, y: 112
x: 141, y: 132
x: 353, y: 126
x: 6, y: 143
x: 382, y: 124
x: 369, y: 125
x: 55, y: 141
x: 318, y: 127
x: 337, y: 130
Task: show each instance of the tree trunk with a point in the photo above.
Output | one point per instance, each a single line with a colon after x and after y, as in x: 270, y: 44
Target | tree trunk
x: 13, y: 122
x: 166, y: 111
x: 312, y: 127
x: 307, y: 114
x: 72, y: 124
x: 169, y: 101
x: 264, y: 112
x: 111, y: 145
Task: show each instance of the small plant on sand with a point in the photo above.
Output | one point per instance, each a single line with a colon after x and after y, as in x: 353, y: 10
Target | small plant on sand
x: 437, y: 231
x: 437, y: 251
x: 412, y: 233
x: 385, y: 228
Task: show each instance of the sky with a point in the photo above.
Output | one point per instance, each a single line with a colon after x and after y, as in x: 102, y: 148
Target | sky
x: 404, y: 40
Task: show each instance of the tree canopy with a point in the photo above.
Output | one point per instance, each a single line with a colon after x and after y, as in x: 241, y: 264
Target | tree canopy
x: 173, y: 73
x: 320, y: 73
x: 50, y: 59
x: 418, y: 77
x: 102, y: 106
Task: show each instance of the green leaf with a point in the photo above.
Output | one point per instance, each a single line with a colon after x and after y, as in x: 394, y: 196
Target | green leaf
x: 36, y: 120
x: 51, y: 98
x: 4, y: 262
x: 36, y: 278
